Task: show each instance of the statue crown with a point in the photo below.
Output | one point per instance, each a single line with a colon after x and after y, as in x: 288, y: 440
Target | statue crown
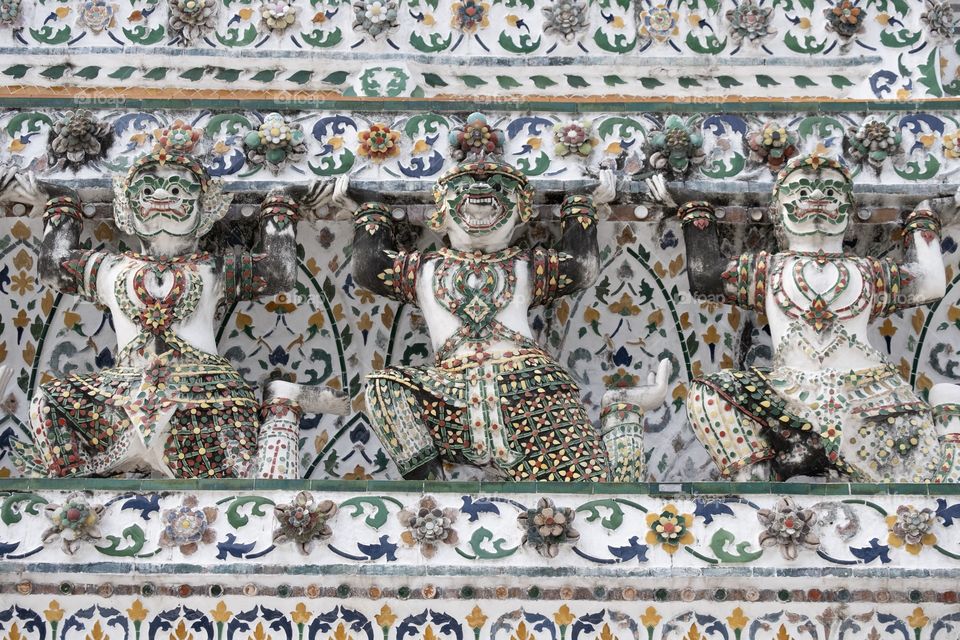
x: 174, y: 145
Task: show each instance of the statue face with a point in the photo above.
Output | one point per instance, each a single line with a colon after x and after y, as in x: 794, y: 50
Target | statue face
x: 481, y: 207
x: 815, y: 203
x: 164, y: 200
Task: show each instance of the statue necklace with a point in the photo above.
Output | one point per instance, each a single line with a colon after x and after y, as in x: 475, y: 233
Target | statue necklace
x: 815, y: 309
x: 157, y: 314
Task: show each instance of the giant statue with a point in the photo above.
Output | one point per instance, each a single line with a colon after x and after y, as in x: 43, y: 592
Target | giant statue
x: 493, y: 398
x: 171, y: 406
x: 831, y: 405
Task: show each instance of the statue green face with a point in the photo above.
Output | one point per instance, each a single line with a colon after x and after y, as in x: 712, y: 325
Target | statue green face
x: 815, y: 203
x: 481, y: 205
x: 164, y: 200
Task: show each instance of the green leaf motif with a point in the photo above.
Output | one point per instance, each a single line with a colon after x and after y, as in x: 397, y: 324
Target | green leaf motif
x: 433, y: 80
x: 122, y: 73
x: 322, y: 38
x: 267, y: 75
x: 235, y: 39
x: 766, y: 81
x: 914, y: 171
x: 333, y: 166
x: 193, y: 74
x: 158, y: 73
x: 380, y: 510
x: 143, y: 36
x: 840, y: 81
x: 508, y: 82
x: 11, y: 511
x: 55, y: 72
x: 928, y: 74
x: 577, y: 82
x: 592, y: 508
x: 237, y: 519
x: 88, y: 73
x: 526, y: 44
x: 542, y: 82
x: 803, y: 82
x: 46, y: 35
x: 483, y: 536
x: 303, y: 76
x: 472, y: 81
x: 809, y: 46
x: 134, y: 534
x: 613, y: 80
x: 728, y: 82
x: 719, y: 542
x: 429, y: 123
x: 229, y: 123
x: 625, y: 128
x: 541, y: 164
x: 619, y: 44
x: 17, y: 71
x: 650, y: 83
x: 720, y: 169
x: 711, y: 45
x: 337, y: 77
x: 437, y: 42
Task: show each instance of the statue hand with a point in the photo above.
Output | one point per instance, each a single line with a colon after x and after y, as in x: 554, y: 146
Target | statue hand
x: 606, y: 191
x: 647, y: 397
x: 316, y: 195
x: 20, y: 185
x: 659, y: 192
x: 341, y: 203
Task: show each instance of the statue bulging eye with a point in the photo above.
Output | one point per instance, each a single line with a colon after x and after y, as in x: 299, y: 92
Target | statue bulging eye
x: 831, y: 193
x: 804, y: 193
x: 175, y: 191
x: 148, y: 191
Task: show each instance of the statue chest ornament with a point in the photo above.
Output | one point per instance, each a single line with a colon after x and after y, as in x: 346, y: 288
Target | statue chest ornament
x: 157, y: 294
x: 476, y: 288
x: 818, y: 290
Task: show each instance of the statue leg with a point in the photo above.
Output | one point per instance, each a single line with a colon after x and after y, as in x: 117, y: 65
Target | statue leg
x: 71, y: 427
x: 621, y: 426
x: 396, y: 409
x: 278, y: 440
x: 731, y: 436
x: 945, y: 399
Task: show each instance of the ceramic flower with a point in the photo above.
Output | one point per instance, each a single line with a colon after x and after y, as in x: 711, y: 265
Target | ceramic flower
x: 547, y: 527
x: 179, y: 137
x: 573, y: 138
x: 275, y: 144
x: 73, y: 521
x: 750, y: 22
x: 873, y: 142
x: 192, y: 19
x: 277, y: 17
x: 78, y: 138
x: 376, y: 18
x: 428, y: 526
x: 476, y: 138
x: 566, y: 18
x: 9, y: 12
x: 772, y: 144
x: 939, y: 18
x: 951, y: 145
x: 911, y: 528
x: 470, y: 15
x: 845, y: 18
x: 788, y: 527
x: 658, y: 23
x: 676, y: 148
x: 186, y: 526
x: 379, y: 143
x: 303, y: 521
x: 96, y: 15
x: 669, y: 529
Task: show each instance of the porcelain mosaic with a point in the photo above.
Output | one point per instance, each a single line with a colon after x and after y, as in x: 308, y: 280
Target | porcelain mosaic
x: 879, y: 49
x: 742, y: 147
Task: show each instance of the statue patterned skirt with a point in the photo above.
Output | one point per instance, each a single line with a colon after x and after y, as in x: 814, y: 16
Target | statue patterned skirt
x: 204, y: 415
x: 868, y: 424
x: 519, y: 416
